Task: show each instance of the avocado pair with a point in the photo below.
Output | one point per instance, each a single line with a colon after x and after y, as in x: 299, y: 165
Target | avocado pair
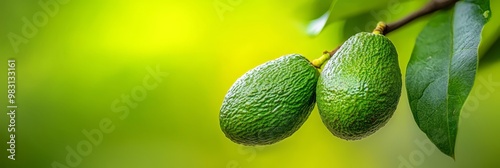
x: 357, y: 92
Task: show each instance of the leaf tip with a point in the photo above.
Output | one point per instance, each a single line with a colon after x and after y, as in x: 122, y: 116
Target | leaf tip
x: 452, y: 155
x: 316, y: 26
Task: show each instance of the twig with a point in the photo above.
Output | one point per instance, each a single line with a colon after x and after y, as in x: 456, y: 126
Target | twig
x: 432, y: 6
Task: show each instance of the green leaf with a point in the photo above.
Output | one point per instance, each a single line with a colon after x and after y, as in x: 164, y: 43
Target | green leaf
x: 442, y: 68
x: 316, y: 26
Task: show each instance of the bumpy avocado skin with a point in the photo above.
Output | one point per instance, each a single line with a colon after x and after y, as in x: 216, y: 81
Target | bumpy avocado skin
x: 270, y: 102
x: 360, y: 86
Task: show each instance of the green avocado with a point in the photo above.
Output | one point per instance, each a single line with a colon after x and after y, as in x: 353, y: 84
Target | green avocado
x: 270, y: 102
x: 359, y: 87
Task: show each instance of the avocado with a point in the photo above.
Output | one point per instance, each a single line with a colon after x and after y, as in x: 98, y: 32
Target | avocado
x: 359, y: 87
x: 270, y: 102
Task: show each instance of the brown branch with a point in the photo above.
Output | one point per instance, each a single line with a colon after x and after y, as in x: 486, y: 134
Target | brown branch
x: 432, y: 6
x: 334, y: 50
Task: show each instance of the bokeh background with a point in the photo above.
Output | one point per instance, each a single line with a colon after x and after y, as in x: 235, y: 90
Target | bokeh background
x: 89, y: 56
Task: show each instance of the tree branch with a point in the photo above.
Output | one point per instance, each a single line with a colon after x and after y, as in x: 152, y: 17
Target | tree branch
x: 431, y: 7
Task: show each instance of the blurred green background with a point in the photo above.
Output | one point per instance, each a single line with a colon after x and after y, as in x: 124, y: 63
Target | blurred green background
x: 87, y: 58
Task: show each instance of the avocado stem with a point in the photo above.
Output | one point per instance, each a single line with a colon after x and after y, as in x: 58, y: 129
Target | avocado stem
x: 380, y: 28
x: 318, y: 62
